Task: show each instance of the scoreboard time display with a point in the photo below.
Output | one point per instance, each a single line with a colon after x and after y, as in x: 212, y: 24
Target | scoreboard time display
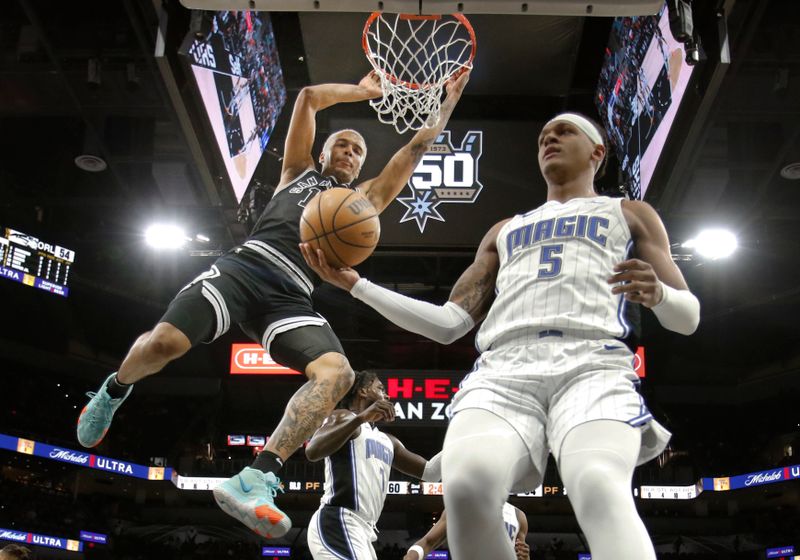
x: 30, y: 261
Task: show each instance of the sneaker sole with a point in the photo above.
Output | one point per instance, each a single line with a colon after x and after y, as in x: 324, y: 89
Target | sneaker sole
x: 230, y: 505
x: 80, y: 440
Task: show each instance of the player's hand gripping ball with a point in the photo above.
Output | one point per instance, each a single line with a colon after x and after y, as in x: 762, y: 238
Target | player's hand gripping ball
x: 343, y: 223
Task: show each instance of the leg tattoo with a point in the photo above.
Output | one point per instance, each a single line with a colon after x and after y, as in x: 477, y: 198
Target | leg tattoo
x: 307, y: 409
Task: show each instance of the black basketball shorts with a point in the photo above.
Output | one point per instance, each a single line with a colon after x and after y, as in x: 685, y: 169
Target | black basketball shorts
x: 242, y: 288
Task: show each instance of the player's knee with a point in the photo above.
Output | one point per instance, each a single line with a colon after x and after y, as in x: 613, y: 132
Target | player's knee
x: 332, y: 367
x: 166, y: 343
x: 469, y: 487
x: 597, y: 484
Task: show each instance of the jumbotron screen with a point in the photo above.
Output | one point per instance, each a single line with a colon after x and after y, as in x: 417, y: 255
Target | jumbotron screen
x: 239, y: 77
x: 641, y: 85
x: 29, y: 260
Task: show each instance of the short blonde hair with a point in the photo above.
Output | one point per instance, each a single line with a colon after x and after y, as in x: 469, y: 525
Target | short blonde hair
x: 326, y: 147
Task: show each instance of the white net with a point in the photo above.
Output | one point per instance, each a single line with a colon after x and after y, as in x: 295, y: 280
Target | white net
x: 414, y: 56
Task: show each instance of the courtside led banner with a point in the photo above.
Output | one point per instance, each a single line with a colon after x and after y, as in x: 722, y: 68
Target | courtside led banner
x: 83, y: 459
x: 780, y: 552
x: 725, y: 483
x: 99, y: 538
x: 276, y: 551
x: 251, y: 359
x: 36, y: 539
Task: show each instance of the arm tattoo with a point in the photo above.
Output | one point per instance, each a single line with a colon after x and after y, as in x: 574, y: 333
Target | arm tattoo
x: 307, y: 409
x: 474, y: 291
x: 418, y: 150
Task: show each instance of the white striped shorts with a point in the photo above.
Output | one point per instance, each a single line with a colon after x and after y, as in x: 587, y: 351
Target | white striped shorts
x: 547, y: 387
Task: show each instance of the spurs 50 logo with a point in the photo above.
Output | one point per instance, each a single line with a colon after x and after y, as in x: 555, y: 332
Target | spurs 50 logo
x: 445, y: 175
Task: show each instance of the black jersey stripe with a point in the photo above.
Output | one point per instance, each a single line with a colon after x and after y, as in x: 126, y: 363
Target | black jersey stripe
x: 342, y: 465
x: 333, y: 533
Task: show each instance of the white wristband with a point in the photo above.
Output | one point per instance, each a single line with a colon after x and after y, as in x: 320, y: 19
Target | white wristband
x: 419, y: 550
x: 442, y: 323
x: 678, y: 310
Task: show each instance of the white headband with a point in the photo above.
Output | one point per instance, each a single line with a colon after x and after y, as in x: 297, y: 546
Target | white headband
x: 582, y: 123
x: 585, y: 126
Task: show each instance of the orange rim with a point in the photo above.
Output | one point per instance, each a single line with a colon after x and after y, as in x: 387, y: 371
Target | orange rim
x: 417, y: 17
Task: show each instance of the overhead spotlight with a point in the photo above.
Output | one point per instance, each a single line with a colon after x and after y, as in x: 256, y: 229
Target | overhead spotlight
x: 165, y: 236
x: 202, y: 238
x: 713, y: 243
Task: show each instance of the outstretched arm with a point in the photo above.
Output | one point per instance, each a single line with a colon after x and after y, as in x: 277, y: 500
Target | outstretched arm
x: 297, y: 157
x: 653, y: 279
x: 469, y: 301
x: 343, y: 425
x: 410, y: 463
x: 383, y: 189
x: 432, y: 539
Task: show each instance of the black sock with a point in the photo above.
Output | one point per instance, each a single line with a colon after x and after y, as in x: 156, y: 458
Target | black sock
x: 267, y: 461
x: 115, y: 389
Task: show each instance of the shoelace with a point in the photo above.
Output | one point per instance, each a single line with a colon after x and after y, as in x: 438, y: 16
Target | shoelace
x: 93, y: 418
x: 273, y: 488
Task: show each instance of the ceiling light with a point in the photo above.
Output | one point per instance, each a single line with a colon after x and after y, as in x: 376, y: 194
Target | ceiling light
x: 164, y: 236
x: 713, y: 243
x: 791, y: 171
x: 88, y: 162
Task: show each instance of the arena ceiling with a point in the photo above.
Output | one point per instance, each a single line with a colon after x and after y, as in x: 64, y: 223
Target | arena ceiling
x: 726, y: 171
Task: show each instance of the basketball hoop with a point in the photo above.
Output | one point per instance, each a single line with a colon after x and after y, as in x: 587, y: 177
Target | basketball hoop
x: 414, y: 56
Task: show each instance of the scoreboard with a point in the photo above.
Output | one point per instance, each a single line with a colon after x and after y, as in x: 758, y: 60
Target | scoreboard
x: 30, y: 261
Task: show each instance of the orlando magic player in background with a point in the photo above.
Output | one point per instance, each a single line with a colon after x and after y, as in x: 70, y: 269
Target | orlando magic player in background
x: 514, y: 521
x: 555, y: 286
x: 358, y: 460
x: 265, y: 286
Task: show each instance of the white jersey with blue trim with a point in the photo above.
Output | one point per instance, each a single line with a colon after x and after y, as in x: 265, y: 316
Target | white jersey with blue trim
x: 510, y: 521
x: 357, y: 475
x: 554, y: 263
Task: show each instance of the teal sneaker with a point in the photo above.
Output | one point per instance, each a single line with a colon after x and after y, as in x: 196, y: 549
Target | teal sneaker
x: 95, y: 418
x: 250, y: 497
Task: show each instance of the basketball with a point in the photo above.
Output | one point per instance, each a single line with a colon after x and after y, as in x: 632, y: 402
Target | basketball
x: 343, y: 223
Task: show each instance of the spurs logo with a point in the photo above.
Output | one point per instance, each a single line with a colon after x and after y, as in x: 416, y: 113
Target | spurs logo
x: 445, y: 175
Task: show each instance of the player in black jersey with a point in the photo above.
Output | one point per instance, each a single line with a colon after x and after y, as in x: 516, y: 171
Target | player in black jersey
x: 265, y: 285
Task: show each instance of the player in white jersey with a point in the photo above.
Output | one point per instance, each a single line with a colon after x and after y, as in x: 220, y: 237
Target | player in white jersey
x: 358, y: 460
x: 514, y: 521
x: 554, y: 373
